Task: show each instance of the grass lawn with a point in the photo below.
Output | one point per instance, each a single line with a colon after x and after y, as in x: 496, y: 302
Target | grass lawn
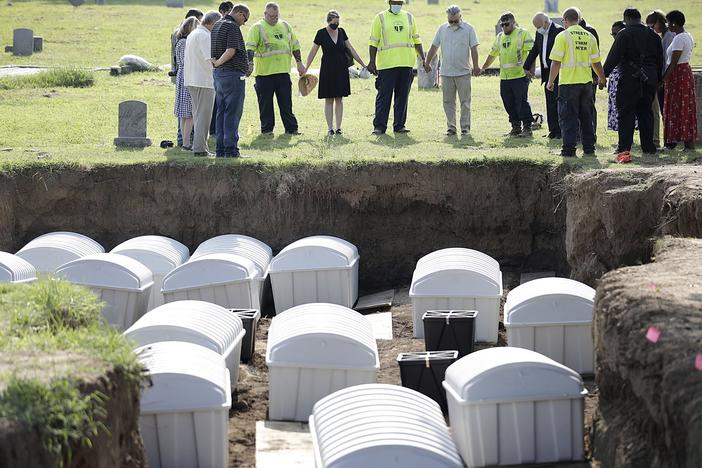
x: 59, y: 126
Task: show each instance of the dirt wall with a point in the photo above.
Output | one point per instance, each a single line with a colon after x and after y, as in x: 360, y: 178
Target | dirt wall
x: 614, y: 216
x: 648, y: 332
x: 117, y: 444
x: 394, y: 213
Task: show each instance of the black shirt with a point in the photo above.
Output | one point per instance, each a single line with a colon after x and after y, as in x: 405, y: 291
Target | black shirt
x: 226, y: 34
x: 637, y: 48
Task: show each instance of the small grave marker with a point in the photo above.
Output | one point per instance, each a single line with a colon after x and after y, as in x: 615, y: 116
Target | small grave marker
x: 22, y: 42
x: 38, y: 43
x: 132, y: 125
x: 175, y: 3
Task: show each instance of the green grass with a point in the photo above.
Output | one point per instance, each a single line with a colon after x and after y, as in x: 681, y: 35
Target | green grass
x: 56, y: 127
x: 53, y: 78
x: 53, y: 338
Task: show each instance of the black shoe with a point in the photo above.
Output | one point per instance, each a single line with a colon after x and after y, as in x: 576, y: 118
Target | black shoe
x: 339, y: 132
x: 527, y: 132
x: 568, y: 154
x: 554, y: 136
x: 402, y: 130
x: 649, y: 151
x: 294, y: 133
x: 589, y: 152
x: 516, y: 129
x: 378, y: 131
x: 331, y: 133
x: 203, y: 154
x: 450, y: 132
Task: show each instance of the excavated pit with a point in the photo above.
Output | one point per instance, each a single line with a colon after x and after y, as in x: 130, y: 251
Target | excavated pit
x: 529, y: 216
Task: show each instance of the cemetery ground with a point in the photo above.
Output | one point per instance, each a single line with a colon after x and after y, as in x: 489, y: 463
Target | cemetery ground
x: 58, y: 126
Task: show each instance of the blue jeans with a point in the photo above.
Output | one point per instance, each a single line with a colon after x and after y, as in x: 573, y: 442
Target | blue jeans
x: 230, y: 88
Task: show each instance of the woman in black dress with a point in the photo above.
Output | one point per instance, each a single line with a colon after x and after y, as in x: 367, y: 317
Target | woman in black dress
x: 334, y: 82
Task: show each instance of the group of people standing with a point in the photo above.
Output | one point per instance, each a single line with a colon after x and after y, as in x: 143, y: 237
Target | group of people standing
x: 213, y: 60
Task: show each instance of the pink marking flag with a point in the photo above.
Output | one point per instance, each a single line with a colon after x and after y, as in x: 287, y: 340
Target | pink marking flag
x: 698, y: 362
x: 653, y: 334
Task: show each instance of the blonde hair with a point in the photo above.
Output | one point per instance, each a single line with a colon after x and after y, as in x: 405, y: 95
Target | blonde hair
x: 331, y: 14
x: 187, y: 27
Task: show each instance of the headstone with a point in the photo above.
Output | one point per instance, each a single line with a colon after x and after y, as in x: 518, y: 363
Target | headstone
x: 101, y: 2
x: 22, y: 41
x: 38, y: 43
x: 76, y: 3
x: 697, y: 73
x: 175, y: 3
x: 432, y: 2
x: 132, y: 125
x: 550, y: 5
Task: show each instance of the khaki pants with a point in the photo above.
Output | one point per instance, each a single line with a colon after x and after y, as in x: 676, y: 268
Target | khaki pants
x: 656, y: 122
x: 203, y: 102
x: 451, y: 85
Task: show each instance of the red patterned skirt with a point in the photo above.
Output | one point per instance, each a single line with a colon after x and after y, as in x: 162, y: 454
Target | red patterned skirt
x: 680, y: 109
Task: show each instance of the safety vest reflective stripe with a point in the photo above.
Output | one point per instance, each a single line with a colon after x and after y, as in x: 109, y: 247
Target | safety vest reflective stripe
x: 520, y: 44
x: 395, y: 45
x: 269, y: 52
x: 571, y: 63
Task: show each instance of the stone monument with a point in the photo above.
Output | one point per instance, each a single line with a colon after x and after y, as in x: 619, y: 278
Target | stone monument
x: 38, y: 43
x: 76, y: 3
x: 175, y: 3
x: 132, y: 125
x: 22, y: 41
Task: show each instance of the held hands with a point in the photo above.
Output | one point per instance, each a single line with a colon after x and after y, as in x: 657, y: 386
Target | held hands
x: 427, y: 67
x: 301, y: 69
x: 372, y: 69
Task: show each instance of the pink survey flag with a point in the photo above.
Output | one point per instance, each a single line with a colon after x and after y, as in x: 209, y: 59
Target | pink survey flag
x: 698, y: 362
x: 653, y: 334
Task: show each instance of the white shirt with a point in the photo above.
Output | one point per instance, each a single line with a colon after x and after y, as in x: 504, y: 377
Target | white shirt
x: 456, y: 43
x: 683, y: 42
x: 197, y: 68
x: 544, y: 53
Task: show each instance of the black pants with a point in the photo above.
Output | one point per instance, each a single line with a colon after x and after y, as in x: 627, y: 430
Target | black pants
x: 280, y: 85
x: 575, y: 111
x: 515, y: 94
x: 397, y: 81
x: 634, y: 101
x: 554, y: 128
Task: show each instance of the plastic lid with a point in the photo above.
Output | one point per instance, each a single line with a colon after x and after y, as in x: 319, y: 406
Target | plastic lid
x: 505, y: 374
x: 322, y: 335
x: 159, y: 254
x: 459, y: 252
x: 456, y: 276
x: 550, y: 300
x: 196, y: 322
x: 238, y: 244
x: 358, y: 425
x: 107, y: 270
x: 209, y: 270
x: 14, y: 269
x: 50, y: 251
x: 185, y: 376
x: 315, y: 252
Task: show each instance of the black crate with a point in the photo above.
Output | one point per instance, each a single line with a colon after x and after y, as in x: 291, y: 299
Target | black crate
x: 250, y: 319
x: 450, y: 329
x: 424, y: 372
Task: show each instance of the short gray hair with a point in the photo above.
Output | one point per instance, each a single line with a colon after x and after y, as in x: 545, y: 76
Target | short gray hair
x: 272, y: 6
x: 453, y: 10
x: 211, y: 17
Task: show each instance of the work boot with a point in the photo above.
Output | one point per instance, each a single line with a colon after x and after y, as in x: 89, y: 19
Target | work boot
x: 516, y: 129
x: 527, y: 133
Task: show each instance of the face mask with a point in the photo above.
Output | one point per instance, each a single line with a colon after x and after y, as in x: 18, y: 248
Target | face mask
x: 334, y: 25
x: 395, y: 8
x: 541, y: 31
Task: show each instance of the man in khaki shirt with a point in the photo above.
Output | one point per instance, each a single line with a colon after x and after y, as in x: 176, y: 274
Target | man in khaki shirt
x: 457, y: 40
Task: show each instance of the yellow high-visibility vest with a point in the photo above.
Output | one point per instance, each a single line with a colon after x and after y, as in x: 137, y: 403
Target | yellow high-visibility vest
x: 272, y: 47
x: 577, y: 50
x: 512, y: 49
x: 395, y: 37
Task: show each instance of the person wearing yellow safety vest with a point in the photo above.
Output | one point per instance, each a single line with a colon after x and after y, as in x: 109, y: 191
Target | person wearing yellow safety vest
x: 574, y: 55
x: 512, y: 46
x: 393, y: 47
x: 270, y: 44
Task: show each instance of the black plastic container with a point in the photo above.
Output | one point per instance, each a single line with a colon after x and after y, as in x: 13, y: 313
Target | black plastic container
x: 424, y: 372
x: 250, y: 319
x: 450, y: 329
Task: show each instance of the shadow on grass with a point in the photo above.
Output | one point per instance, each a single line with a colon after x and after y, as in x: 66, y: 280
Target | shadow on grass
x: 394, y: 140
